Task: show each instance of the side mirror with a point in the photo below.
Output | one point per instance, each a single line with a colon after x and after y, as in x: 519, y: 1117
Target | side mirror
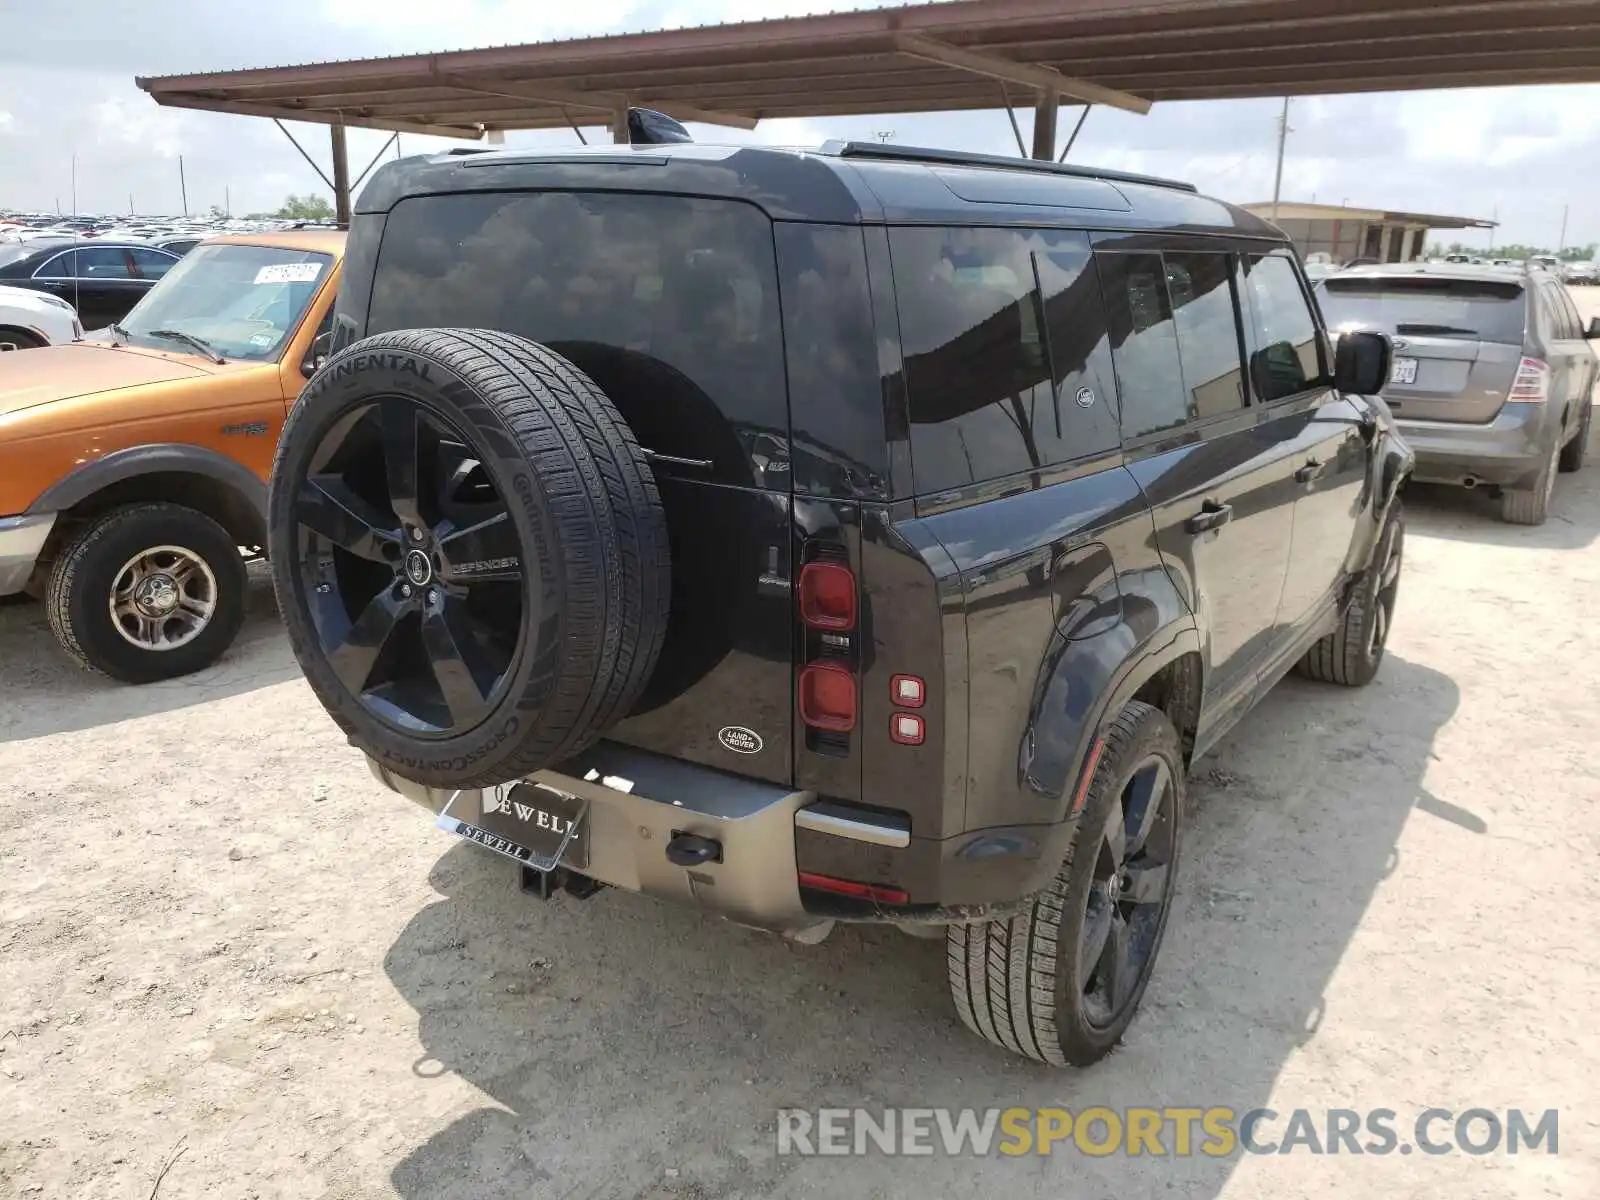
x: 1594, y: 329
x: 317, y: 354
x: 1361, y: 363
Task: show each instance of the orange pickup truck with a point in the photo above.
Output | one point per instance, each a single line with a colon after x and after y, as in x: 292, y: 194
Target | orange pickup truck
x: 133, y: 464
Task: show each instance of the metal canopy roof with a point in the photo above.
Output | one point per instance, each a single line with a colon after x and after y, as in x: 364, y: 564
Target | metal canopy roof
x: 1289, y: 210
x: 934, y: 57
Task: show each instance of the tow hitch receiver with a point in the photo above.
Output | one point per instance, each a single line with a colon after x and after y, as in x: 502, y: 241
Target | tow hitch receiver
x: 544, y: 884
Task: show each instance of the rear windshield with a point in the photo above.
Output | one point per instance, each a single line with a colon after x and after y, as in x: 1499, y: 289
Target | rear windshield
x: 1488, y: 310
x: 670, y: 303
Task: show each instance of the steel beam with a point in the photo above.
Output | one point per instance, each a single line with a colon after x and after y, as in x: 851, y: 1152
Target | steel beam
x: 341, y: 175
x: 1041, y: 78
x: 602, y: 101
x: 315, y: 117
x: 1044, y: 126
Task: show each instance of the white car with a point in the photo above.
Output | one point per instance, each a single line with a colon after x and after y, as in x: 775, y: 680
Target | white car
x: 29, y: 319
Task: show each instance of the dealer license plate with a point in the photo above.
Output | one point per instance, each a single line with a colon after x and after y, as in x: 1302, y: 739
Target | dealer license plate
x: 1403, y: 371
x: 538, y: 826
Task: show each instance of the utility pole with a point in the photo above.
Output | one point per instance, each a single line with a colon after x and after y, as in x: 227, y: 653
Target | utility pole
x: 1494, y: 219
x: 75, y: 185
x: 183, y: 186
x: 1562, y: 244
x: 227, y: 200
x: 1277, y: 180
x: 130, y: 204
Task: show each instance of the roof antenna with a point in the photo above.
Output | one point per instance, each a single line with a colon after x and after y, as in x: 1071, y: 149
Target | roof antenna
x: 647, y: 127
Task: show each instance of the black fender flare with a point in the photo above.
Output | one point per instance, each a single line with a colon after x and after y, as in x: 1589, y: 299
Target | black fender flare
x: 1063, y: 744
x: 119, y: 465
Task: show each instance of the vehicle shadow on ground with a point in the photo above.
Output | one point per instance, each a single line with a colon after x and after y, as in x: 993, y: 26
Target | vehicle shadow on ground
x: 42, y: 691
x: 628, y: 1048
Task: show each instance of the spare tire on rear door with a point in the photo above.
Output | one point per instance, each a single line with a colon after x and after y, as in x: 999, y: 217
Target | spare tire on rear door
x: 469, y: 553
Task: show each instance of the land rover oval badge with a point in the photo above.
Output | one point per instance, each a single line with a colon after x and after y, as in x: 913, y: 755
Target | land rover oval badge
x: 739, y: 739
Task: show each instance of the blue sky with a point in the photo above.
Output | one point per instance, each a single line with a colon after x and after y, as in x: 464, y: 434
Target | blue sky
x: 66, y: 87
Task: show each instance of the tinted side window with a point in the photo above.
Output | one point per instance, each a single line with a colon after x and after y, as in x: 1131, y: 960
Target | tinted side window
x: 1551, y: 320
x: 62, y: 266
x: 669, y: 303
x: 1571, y: 325
x: 102, y: 262
x: 1286, y: 352
x: 840, y: 446
x: 1004, y: 348
x: 1144, y: 343
x: 151, y: 264
x: 1201, y: 286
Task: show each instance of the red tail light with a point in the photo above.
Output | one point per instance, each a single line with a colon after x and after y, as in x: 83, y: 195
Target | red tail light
x: 1532, y: 385
x: 907, y: 729
x: 908, y: 691
x: 828, y: 697
x: 828, y: 596
x: 848, y: 887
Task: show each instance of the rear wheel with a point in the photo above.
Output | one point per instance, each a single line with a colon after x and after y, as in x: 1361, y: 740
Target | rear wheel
x: 1351, y: 654
x: 469, y: 552
x: 17, y: 339
x: 1574, y: 452
x: 1532, y: 507
x: 147, y: 592
x: 1061, y: 982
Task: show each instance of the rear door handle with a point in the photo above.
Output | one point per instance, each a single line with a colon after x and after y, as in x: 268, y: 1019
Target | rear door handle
x: 1211, y: 516
x: 1312, y: 470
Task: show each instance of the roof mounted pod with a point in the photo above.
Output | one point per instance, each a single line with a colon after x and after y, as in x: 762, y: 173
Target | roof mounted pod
x: 960, y: 158
x: 647, y: 127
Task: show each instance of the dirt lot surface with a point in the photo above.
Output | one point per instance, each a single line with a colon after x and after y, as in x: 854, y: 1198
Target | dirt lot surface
x: 220, y: 940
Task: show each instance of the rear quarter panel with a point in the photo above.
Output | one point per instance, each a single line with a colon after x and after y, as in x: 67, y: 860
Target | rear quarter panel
x: 1066, y: 598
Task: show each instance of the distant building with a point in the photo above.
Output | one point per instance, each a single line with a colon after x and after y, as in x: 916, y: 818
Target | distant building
x: 1346, y: 234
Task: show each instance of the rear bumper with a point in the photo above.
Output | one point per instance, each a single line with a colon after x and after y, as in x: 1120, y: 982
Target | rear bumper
x: 21, y: 539
x: 637, y: 802
x: 1509, y: 451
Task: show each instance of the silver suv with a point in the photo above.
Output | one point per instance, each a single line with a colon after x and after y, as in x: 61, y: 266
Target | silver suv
x: 1492, y: 373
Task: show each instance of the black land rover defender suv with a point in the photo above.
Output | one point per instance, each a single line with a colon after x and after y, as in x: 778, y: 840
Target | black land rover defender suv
x: 867, y: 534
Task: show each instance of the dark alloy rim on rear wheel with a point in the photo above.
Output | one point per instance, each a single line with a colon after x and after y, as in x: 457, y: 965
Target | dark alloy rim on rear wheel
x: 1128, y: 893
x: 1388, y: 589
x: 412, y: 568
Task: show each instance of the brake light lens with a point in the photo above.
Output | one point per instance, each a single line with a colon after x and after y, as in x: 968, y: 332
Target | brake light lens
x: 849, y: 887
x: 1532, y: 385
x: 907, y: 729
x: 907, y: 691
x: 828, y: 596
x: 828, y: 698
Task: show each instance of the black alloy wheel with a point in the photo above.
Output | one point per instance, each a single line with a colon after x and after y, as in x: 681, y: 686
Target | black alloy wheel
x: 411, y: 566
x: 1129, y: 894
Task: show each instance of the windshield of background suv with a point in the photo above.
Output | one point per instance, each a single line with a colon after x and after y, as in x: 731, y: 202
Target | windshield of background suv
x: 244, y: 301
x: 1429, y: 306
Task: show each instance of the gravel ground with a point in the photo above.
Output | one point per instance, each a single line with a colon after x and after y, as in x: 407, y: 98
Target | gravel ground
x: 226, y: 951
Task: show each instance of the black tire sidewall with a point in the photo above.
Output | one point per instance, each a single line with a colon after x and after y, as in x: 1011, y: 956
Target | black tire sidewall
x: 94, y: 562
x: 1081, y: 1042
x: 423, y: 379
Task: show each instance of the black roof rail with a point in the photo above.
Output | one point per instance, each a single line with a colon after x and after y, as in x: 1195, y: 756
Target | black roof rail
x: 960, y: 158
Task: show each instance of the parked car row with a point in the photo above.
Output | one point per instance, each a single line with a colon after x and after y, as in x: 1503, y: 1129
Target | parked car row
x: 102, y: 281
